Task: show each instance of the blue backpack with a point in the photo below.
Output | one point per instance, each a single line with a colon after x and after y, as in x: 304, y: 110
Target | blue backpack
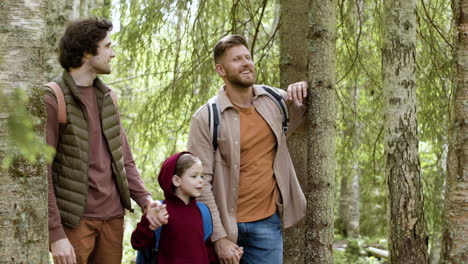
x: 149, y: 256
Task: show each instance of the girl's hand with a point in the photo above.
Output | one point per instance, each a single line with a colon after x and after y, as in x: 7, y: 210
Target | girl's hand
x: 157, y: 215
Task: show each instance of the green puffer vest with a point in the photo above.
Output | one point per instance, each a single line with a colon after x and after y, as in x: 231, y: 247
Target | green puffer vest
x: 70, y: 166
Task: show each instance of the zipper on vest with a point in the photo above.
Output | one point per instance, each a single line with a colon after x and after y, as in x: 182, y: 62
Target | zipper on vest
x: 85, y: 112
x: 83, y: 109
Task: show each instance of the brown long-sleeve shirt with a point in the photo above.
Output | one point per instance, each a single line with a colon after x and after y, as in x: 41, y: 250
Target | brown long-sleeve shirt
x: 103, y: 200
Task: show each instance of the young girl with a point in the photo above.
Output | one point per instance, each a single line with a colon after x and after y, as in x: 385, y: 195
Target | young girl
x: 181, y: 240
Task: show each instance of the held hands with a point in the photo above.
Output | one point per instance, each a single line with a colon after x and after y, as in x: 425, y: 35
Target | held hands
x: 156, y: 214
x: 227, y: 251
x: 63, y: 252
x: 297, y: 92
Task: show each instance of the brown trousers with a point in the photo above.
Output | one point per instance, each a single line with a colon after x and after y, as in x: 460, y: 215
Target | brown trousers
x: 97, y: 241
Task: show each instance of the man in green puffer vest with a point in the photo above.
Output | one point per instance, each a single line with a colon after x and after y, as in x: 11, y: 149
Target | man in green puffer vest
x: 93, y: 175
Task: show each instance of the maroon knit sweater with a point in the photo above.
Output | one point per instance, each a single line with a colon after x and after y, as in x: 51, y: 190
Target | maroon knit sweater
x: 181, y: 240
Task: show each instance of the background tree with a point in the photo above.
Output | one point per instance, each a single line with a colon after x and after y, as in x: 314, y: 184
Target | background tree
x: 359, y: 145
x: 434, y: 91
x: 23, y: 192
x: 321, y: 38
x: 59, y: 13
x: 349, y: 163
x: 293, y: 68
x: 455, y: 233
x: 407, y: 229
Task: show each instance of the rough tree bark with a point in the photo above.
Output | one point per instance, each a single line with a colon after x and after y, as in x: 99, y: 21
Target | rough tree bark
x: 455, y: 233
x: 321, y: 38
x: 293, y: 68
x: 23, y: 189
x: 407, y: 230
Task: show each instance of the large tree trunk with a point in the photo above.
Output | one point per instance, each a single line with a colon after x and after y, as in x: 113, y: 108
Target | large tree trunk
x: 23, y: 191
x: 293, y: 68
x: 407, y: 229
x: 455, y: 233
x: 321, y: 37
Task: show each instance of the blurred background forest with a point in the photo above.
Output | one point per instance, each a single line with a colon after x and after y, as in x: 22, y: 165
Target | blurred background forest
x: 163, y: 71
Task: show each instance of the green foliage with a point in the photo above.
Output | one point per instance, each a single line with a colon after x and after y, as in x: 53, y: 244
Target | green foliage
x: 359, y: 147
x: 340, y: 257
x: 435, y: 87
x: 353, y: 250
x: 355, y: 253
x: 22, y: 127
x: 104, y: 10
x: 130, y: 223
x: 165, y: 69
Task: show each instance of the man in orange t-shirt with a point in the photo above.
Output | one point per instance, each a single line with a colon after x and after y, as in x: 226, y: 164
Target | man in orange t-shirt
x: 250, y: 175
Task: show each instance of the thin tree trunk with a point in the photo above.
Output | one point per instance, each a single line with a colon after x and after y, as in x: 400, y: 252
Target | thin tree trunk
x: 434, y: 254
x: 321, y: 37
x: 455, y: 233
x: 76, y: 8
x: 293, y: 68
x: 84, y: 8
x: 407, y: 235
x: 350, y: 188
x: 23, y: 189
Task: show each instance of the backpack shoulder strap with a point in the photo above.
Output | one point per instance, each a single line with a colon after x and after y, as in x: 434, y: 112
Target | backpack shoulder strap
x: 276, y: 96
x: 214, y: 120
x: 207, y: 221
x: 157, y: 236
x: 61, y: 112
x: 114, y: 98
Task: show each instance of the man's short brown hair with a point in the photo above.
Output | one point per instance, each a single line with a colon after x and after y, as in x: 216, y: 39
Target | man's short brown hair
x: 227, y: 42
x: 81, y: 36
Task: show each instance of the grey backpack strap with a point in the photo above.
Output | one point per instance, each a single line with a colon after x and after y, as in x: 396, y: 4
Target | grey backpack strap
x: 275, y: 95
x: 214, y: 120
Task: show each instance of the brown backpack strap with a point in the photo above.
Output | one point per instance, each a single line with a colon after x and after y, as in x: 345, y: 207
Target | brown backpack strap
x: 114, y: 98
x: 61, y: 112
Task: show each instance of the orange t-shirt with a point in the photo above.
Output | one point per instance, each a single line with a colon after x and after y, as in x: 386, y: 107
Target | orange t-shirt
x: 257, y: 184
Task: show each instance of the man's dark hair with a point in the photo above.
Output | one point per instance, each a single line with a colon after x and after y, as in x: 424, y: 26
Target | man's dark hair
x: 81, y: 36
x: 227, y: 42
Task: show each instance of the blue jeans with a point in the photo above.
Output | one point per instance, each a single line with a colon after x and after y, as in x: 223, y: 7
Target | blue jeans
x: 262, y: 241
